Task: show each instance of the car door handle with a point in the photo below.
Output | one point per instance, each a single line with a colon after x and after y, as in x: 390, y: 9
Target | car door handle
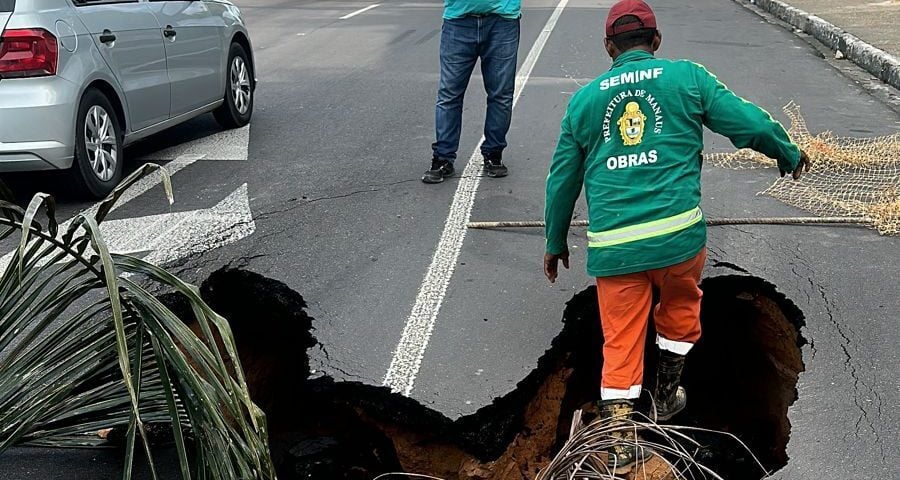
x: 107, y: 37
x: 169, y: 32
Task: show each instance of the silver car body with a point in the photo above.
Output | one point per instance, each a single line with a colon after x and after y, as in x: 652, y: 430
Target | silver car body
x: 155, y: 80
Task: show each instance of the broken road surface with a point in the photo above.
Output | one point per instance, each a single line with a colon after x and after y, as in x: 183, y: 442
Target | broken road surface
x: 342, y: 133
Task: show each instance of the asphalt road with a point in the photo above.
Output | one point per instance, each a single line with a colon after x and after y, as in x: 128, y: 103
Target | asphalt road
x: 341, y: 135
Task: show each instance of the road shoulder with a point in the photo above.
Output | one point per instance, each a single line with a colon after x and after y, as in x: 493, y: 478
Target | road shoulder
x: 881, y: 64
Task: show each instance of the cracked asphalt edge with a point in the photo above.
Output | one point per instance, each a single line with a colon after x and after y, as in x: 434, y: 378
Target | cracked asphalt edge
x: 866, y: 62
x: 869, y: 411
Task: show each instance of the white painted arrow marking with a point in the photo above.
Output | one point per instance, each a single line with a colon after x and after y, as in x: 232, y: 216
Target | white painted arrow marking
x: 172, y: 236
x: 224, y: 145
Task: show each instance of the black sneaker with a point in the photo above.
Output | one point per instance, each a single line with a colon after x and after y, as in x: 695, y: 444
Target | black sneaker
x: 494, y: 167
x: 439, y: 170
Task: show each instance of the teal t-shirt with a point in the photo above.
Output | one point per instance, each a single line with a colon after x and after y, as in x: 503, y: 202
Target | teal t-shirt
x: 460, y: 8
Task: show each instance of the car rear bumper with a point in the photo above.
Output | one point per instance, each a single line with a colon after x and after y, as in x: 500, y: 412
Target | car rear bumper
x: 30, y: 156
x: 37, y: 124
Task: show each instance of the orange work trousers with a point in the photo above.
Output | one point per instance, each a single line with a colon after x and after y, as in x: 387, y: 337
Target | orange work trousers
x: 625, y: 302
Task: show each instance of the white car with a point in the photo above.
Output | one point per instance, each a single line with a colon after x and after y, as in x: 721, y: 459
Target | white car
x: 81, y: 79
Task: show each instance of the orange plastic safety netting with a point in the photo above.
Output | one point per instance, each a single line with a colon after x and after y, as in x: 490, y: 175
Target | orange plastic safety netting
x: 849, y: 177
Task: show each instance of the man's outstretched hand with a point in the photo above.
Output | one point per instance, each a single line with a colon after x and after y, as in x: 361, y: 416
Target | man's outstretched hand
x: 551, y: 264
x: 802, y: 166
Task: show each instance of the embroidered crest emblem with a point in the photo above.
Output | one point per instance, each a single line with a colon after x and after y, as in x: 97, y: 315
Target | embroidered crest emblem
x: 631, y: 125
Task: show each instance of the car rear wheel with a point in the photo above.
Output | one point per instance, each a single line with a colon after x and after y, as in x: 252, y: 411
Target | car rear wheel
x: 98, y: 146
x: 238, y: 106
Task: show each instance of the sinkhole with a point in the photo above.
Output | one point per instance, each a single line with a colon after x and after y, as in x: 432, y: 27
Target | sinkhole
x: 741, y: 378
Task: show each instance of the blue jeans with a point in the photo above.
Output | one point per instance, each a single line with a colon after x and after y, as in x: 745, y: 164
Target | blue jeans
x: 495, y: 40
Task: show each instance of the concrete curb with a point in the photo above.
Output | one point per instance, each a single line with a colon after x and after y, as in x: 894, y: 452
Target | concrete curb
x: 874, y: 60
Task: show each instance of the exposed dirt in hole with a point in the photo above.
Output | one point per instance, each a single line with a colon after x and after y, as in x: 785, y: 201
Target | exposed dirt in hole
x: 741, y: 378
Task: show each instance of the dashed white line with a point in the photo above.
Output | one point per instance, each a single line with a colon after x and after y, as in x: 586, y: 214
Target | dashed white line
x: 407, y: 359
x: 362, y: 10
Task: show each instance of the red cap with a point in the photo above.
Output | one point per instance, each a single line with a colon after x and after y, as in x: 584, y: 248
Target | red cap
x: 637, y: 8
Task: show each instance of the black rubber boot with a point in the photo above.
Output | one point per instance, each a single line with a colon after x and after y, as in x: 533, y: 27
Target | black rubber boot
x: 670, y: 397
x: 623, y: 455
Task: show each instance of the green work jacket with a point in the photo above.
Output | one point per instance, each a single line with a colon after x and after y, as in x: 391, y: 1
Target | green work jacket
x: 633, y: 139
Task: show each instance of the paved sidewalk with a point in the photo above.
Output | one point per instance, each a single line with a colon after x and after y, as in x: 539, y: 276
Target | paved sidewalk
x: 866, y: 32
x: 875, y: 22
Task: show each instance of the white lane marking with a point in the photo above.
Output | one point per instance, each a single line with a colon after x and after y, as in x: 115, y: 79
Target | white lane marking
x: 224, y: 145
x: 136, y: 190
x: 401, y: 374
x: 362, y: 10
x: 170, y: 236
x: 146, y: 183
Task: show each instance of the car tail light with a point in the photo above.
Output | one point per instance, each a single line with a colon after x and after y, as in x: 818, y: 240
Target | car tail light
x: 28, y: 53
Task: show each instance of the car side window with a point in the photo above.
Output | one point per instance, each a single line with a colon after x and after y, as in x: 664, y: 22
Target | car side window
x: 85, y: 3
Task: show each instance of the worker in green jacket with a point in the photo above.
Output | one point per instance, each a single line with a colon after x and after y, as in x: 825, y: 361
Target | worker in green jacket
x: 633, y: 139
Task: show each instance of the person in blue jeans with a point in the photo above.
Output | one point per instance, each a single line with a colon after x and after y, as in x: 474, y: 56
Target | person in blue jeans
x: 472, y: 30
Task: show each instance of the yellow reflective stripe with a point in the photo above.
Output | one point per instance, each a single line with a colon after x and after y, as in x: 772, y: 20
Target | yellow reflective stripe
x: 633, y: 233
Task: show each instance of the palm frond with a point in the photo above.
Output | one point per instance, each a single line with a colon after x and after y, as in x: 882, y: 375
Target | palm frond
x: 85, y: 347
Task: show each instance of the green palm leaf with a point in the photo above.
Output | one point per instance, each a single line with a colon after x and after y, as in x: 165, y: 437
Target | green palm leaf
x: 85, y: 347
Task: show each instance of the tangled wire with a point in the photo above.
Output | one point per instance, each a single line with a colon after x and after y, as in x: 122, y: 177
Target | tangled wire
x: 668, y: 452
